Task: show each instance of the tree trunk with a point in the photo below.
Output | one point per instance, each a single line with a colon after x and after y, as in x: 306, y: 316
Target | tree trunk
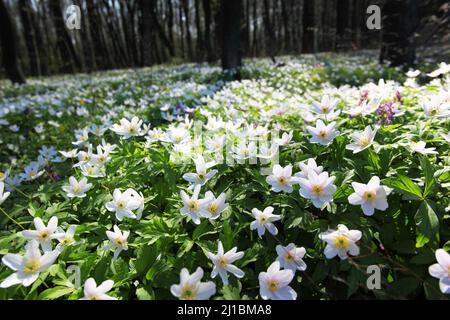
x: 9, y: 46
x: 308, y: 26
x: 185, y: 4
x: 146, y: 32
x: 69, y: 59
x: 207, y: 34
x: 400, y: 20
x: 25, y: 18
x: 231, y: 11
x: 199, y: 48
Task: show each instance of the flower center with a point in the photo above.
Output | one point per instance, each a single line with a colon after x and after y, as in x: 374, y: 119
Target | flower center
x: 120, y: 242
x: 188, y: 292
x: 67, y: 240
x: 369, y: 195
x: 121, y: 204
x: 263, y: 220
x: 273, y: 285
x: 132, y: 129
x: 201, y: 176
x: 363, y: 142
x: 323, y: 134
x: 194, y: 205
x: 325, y: 109
x: 77, y: 188
x: 341, y: 242
x: 1, y: 175
x: 43, y: 235
x: 32, y: 266
x: 289, y: 257
x: 318, y: 190
x: 282, y: 181
x: 91, y: 170
x: 223, y: 262
x: 213, y: 208
x: 32, y: 174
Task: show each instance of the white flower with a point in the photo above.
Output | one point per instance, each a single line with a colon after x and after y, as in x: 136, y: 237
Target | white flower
x: 419, y: 147
x: 138, y: 198
x: 32, y: 171
x: 124, y: 203
x: 4, y: 175
x: 326, y: 107
x: 319, y: 188
x: 281, y: 179
x: 264, y: 221
x: 291, y: 257
x: 69, y: 154
x: 413, y: 73
x: 29, y: 266
x: 191, y: 287
x: 307, y: 165
x: 223, y: 263
x: 285, y: 139
x: 43, y: 234
x: 362, y: 140
x: 3, y: 195
x: 274, y: 284
x: 244, y: 151
x: 446, y: 136
x: 370, y: 196
x: 91, y: 170
x: 441, y: 270
x: 92, y: 292
x: 77, y: 189
x: 101, y: 158
x: 118, y: 241
x: 341, y: 242
x: 215, y: 143
x: 323, y: 134
x: 178, y: 135
x: 443, y: 69
x: 202, y: 175
x: 66, y: 238
x: 128, y: 128
x: 193, y: 206
x: 215, y: 205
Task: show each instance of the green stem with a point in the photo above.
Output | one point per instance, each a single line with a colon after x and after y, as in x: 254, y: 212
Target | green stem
x: 19, y: 191
x: 10, y: 218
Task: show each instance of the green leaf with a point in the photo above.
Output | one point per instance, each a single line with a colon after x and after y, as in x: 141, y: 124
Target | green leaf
x: 427, y: 224
x: 405, y: 186
x: 187, y: 245
x: 144, y: 293
x: 55, y: 293
x: 428, y: 171
x: 227, y: 235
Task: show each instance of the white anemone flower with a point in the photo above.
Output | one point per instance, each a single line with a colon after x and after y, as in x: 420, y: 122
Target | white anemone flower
x: 215, y: 206
x: 77, y: 189
x: 419, y: 147
x: 441, y: 270
x: 223, y: 263
x: 202, y: 175
x: 28, y: 267
x: 274, y: 284
x: 3, y: 195
x: 118, y: 241
x: 319, y: 188
x: 43, y: 234
x: 362, y: 140
x: 193, y: 206
x: 323, y: 134
x: 281, y: 179
x: 191, y: 287
x: 291, y: 257
x: 94, y: 292
x: 341, y: 242
x: 370, y: 196
x: 263, y: 221
x: 124, y: 203
x: 127, y: 128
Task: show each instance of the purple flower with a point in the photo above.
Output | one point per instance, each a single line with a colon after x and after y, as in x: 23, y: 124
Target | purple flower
x: 386, y: 114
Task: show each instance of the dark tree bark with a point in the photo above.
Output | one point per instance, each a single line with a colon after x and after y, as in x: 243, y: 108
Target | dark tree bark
x: 170, y: 20
x: 147, y: 6
x: 231, y: 11
x: 308, y: 26
x: 185, y: 5
x: 199, y: 46
x: 207, y: 28
x: 255, y: 47
x: 41, y: 45
x: 9, y: 46
x: 399, y: 23
x: 25, y: 18
x: 69, y: 59
x: 269, y: 31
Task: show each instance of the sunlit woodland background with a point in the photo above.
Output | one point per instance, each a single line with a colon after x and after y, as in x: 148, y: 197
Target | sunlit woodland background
x: 118, y: 34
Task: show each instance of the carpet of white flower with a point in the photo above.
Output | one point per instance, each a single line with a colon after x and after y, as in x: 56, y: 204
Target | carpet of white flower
x: 172, y: 182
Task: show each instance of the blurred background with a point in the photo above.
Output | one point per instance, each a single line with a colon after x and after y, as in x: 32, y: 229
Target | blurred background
x: 41, y: 38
